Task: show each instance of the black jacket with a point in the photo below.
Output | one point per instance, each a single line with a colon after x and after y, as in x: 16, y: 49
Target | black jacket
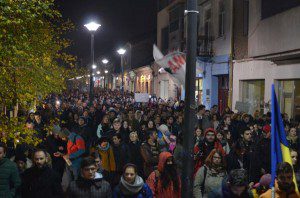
x: 43, y: 182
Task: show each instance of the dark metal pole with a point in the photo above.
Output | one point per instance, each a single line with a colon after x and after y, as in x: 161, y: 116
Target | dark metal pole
x: 190, y: 106
x: 91, y: 70
x: 122, y: 67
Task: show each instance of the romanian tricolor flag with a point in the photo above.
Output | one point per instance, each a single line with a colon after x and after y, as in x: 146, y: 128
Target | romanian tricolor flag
x: 280, y: 151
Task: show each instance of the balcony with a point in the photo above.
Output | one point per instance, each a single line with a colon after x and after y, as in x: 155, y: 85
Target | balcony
x: 204, y: 47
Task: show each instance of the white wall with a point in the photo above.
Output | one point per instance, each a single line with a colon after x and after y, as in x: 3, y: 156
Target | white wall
x: 253, y: 70
x: 275, y: 34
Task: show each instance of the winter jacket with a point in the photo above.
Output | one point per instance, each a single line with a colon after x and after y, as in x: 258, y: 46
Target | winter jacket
x: 136, y: 157
x: 234, y: 162
x: 155, y: 182
x: 83, y: 188
x: 178, y: 157
x: 9, y: 178
x: 76, y: 148
x: 225, y: 192
x: 121, y: 155
x: 43, y: 182
x: 145, y: 192
x: 260, y: 159
x: 150, y: 158
x: 108, y: 159
x: 279, y: 193
x: 209, y: 180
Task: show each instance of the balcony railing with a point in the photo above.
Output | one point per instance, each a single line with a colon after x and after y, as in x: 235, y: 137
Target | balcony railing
x: 204, y: 46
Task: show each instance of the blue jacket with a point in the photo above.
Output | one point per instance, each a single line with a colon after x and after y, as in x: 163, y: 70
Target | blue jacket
x: 145, y: 192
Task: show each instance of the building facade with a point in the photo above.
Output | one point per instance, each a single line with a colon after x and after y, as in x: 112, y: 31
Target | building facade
x: 272, y: 57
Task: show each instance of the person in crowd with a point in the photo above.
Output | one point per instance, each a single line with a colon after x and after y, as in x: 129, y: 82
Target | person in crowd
x: 178, y: 153
x: 203, y: 149
x: 90, y: 183
x: 21, y: 160
x: 135, y: 156
x: 56, y: 147
x: 104, y: 127
x: 40, y: 180
x: 235, y: 186
x: 117, y: 129
x: 121, y: 154
x: 262, y: 186
x: 39, y: 126
x: 237, y: 159
x: 284, y: 185
x: 106, y: 153
x: 198, y: 135
x: 126, y: 131
x: 215, y: 121
x: 76, y: 149
x: 223, y: 141
x: 165, y: 181
x: 150, y: 152
x: 211, y: 175
x: 293, y: 139
x: 163, y: 137
x: 131, y: 184
x: 9, y: 176
x: 296, y: 166
x: 98, y: 161
x: 83, y: 130
x: 246, y: 140
x: 260, y: 161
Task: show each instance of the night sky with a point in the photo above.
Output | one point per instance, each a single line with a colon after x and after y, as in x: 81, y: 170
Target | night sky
x: 121, y: 20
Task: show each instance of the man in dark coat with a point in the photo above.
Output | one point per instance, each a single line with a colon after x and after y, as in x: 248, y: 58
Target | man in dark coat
x: 40, y: 180
x: 9, y: 177
x: 90, y: 183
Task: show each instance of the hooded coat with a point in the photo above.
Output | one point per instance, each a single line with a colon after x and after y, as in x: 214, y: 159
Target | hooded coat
x: 155, y: 182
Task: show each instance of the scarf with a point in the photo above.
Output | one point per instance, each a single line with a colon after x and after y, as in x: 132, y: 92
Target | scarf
x: 104, y: 149
x: 131, y: 189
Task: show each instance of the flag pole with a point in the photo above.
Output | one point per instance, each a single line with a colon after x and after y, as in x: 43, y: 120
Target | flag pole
x: 273, y: 154
x: 190, y: 106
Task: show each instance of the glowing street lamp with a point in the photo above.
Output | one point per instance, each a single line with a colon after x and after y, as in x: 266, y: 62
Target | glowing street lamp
x: 122, y: 51
x: 105, y: 61
x: 106, y: 71
x: 92, y: 28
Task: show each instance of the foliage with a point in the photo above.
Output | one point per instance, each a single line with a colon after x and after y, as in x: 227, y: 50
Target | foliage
x: 33, y: 62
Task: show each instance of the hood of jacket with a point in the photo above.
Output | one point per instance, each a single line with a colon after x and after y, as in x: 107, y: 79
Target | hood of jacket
x: 162, y: 160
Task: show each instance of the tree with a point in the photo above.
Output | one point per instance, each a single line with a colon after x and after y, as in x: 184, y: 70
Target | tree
x: 33, y: 62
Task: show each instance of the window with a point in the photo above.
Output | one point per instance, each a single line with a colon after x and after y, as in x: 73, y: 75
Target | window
x: 221, y: 18
x: 165, y: 39
x: 245, y: 17
x: 253, y: 94
x: 207, y: 23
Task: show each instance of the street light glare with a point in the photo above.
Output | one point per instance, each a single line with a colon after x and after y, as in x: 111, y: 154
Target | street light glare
x: 92, y: 26
x: 105, y: 61
x: 106, y: 71
x: 98, y: 72
x: 121, y: 51
x: 94, y: 66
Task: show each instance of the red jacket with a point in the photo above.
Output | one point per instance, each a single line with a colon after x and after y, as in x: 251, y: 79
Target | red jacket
x: 155, y: 183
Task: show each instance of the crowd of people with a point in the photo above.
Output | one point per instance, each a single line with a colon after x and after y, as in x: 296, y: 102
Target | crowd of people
x: 116, y: 147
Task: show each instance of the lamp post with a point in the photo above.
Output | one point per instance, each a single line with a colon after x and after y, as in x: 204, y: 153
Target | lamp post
x: 122, y: 51
x: 92, y: 28
x: 104, y: 61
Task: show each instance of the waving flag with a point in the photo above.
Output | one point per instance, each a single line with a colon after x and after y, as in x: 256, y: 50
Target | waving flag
x: 174, y: 63
x: 279, y: 145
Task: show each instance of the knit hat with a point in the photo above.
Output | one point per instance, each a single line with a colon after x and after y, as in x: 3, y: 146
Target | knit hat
x: 267, y: 129
x: 210, y: 130
x: 21, y: 157
x: 265, y: 180
x: 64, y: 133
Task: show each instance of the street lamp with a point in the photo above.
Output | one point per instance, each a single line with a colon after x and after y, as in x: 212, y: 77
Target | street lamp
x: 92, y: 28
x: 106, y: 71
x: 105, y: 61
x: 98, y: 72
x: 122, y: 51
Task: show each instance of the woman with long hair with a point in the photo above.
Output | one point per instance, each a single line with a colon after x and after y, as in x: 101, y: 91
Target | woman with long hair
x: 211, y: 175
